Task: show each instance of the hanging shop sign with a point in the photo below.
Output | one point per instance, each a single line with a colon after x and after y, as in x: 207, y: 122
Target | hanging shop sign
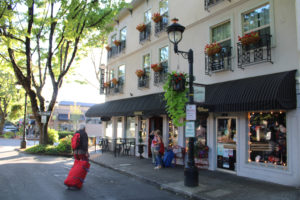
x: 202, y: 109
x: 190, y: 129
x: 199, y: 93
x: 138, y: 113
x: 190, y: 112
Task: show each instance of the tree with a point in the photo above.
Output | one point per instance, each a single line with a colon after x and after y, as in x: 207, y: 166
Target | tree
x: 44, y: 38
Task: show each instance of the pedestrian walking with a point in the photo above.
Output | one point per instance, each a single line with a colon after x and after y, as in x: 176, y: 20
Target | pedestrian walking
x: 81, y: 164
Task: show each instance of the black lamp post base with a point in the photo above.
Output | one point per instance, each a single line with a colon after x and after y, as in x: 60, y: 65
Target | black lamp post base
x: 23, y: 144
x: 191, y: 176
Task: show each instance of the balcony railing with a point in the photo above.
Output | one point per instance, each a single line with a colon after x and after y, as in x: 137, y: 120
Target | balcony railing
x: 143, y: 82
x: 160, y: 77
x: 116, y: 50
x: 255, y: 53
x: 145, y: 35
x: 118, y: 89
x: 218, y: 62
x: 162, y: 25
x: 210, y: 3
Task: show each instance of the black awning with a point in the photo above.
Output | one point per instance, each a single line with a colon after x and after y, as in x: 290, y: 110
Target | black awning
x: 268, y: 92
x: 153, y: 104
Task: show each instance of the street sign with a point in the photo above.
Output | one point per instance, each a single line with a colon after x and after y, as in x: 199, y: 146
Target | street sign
x: 44, y: 119
x: 199, y: 93
x: 190, y: 129
x: 47, y: 113
x: 191, y: 112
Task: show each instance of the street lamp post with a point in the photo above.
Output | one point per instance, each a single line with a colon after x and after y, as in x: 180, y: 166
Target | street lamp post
x: 175, y: 31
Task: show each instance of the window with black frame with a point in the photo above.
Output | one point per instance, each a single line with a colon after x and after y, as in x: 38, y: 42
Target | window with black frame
x: 123, y: 33
x: 145, y: 35
x: 160, y: 76
x: 143, y: 81
x: 255, y: 44
x: 121, y: 78
x: 164, y: 13
x: 218, y: 53
x: 267, y: 141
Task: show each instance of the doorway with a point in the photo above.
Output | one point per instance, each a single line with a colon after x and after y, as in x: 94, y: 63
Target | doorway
x: 226, y: 143
x: 154, y: 124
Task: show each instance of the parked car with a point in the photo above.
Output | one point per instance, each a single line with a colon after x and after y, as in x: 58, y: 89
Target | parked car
x: 10, y: 127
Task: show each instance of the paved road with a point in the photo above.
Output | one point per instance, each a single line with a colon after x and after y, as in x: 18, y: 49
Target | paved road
x: 24, y: 176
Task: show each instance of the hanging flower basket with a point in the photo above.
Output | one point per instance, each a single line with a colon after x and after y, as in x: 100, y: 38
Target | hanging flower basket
x: 212, y: 49
x: 250, y: 38
x: 139, y: 73
x: 108, y: 48
x: 117, y: 42
x: 141, y: 27
x: 178, y: 82
x: 156, y: 67
x: 156, y: 17
x: 114, y: 81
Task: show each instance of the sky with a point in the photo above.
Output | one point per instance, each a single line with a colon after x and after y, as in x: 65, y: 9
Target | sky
x: 87, y: 93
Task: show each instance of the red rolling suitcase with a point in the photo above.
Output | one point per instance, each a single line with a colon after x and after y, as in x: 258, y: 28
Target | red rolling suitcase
x: 77, y: 174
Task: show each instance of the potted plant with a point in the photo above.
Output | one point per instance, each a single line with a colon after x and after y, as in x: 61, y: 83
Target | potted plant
x: 212, y: 49
x: 114, y: 81
x: 108, y: 48
x: 156, y: 17
x: 106, y: 84
x: 156, y: 67
x: 139, y: 73
x: 176, y: 100
x: 117, y: 42
x: 250, y: 38
x: 140, y: 145
x: 178, y: 81
x: 141, y: 27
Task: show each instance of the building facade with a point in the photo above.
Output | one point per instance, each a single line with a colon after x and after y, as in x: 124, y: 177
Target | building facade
x: 246, y: 56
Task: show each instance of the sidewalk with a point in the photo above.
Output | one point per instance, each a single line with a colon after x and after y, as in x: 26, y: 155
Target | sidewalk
x: 213, y: 185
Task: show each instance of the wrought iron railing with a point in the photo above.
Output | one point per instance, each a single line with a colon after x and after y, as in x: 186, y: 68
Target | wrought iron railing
x: 218, y: 62
x: 255, y: 53
x: 161, y: 76
x: 145, y: 35
x: 162, y: 25
x: 143, y: 82
x: 210, y: 3
x: 115, y: 50
x: 118, y: 88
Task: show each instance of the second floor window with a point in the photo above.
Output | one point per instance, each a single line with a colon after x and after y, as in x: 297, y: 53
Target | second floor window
x: 147, y: 17
x: 257, y: 20
x: 146, y: 64
x: 123, y: 33
x: 222, y: 34
x: 163, y: 7
x: 113, y: 38
x: 164, y: 57
x: 121, y: 74
x: 111, y: 74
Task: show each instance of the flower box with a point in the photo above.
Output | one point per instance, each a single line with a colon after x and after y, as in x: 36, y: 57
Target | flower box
x: 139, y: 73
x: 141, y: 27
x: 178, y: 82
x: 212, y: 49
x: 106, y: 84
x: 156, y: 17
x: 250, y: 38
x: 114, y: 81
x: 108, y: 48
x: 156, y: 67
x: 117, y: 42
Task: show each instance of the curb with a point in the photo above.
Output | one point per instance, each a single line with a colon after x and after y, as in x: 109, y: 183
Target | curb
x: 149, y: 181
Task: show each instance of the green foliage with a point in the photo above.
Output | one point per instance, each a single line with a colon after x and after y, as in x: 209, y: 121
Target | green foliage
x: 63, y: 148
x: 9, y: 135
x: 52, y: 136
x: 176, y: 101
x: 63, y: 134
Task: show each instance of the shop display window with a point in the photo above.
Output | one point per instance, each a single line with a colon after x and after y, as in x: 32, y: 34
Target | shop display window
x: 130, y: 127
x: 267, y: 138
x: 226, y: 143
x: 173, y: 134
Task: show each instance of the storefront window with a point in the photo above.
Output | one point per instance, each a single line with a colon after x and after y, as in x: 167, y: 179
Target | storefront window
x: 119, y: 128
x: 108, y: 131
x: 226, y: 143
x: 173, y: 134
x: 267, y: 138
x: 130, y: 126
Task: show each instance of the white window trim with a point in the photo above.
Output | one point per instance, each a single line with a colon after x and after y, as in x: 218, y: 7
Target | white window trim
x: 148, y: 9
x: 125, y: 27
x: 254, y: 6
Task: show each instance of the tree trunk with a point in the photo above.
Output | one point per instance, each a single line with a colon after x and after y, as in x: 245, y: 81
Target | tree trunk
x: 2, y: 122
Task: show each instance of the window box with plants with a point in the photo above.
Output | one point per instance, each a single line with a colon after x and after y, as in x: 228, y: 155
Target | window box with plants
x: 141, y: 27
x: 213, y: 49
x: 156, y: 17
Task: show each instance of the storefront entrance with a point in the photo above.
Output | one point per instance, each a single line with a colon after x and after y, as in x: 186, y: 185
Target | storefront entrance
x: 226, y: 143
x: 154, y: 124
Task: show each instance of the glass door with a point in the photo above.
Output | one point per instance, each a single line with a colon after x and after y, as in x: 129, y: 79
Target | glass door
x: 226, y: 143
